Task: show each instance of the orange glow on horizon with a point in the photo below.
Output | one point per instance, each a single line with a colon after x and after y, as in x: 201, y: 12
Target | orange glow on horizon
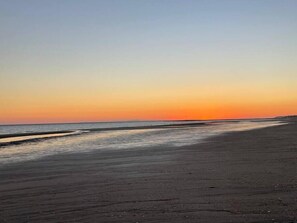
x: 181, y: 112
x: 207, y: 102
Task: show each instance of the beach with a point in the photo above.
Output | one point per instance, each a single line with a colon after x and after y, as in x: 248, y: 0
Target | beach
x: 246, y: 176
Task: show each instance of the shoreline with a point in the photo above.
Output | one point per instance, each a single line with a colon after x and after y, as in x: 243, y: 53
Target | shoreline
x: 11, y: 135
x: 247, y: 176
x: 20, y: 138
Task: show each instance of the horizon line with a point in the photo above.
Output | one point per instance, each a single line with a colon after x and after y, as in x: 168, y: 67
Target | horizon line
x: 140, y: 120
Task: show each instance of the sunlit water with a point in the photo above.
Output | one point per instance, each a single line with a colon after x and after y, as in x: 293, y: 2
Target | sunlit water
x: 114, y: 140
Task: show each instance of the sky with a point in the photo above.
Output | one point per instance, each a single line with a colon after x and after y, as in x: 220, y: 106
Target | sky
x: 76, y: 61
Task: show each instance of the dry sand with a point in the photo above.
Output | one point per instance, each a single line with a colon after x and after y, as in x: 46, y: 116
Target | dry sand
x: 246, y: 176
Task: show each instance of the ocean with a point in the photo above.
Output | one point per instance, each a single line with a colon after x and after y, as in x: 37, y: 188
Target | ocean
x: 19, y: 143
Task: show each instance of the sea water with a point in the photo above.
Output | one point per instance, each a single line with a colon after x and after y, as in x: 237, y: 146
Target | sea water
x: 87, y: 137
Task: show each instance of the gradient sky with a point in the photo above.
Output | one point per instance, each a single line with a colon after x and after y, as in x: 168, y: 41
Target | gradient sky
x: 70, y: 60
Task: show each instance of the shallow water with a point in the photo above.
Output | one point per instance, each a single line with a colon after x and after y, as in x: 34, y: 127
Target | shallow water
x: 120, y: 139
x: 35, y: 128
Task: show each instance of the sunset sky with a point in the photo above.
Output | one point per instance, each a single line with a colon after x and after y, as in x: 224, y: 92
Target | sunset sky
x: 72, y: 61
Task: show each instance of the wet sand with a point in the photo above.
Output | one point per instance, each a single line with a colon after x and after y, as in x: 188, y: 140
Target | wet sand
x: 246, y: 176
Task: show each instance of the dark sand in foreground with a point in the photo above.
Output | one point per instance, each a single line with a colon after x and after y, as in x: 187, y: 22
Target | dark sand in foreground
x: 238, y: 177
